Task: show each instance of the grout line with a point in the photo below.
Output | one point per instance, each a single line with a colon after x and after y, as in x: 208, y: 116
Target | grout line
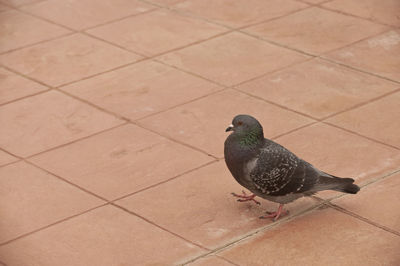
x: 227, y: 260
x: 294, y: 130
x: 255, y: 232
x: 275, y: 104
x: 179, y: 105
x: 165, y: 181
x: 356, y: 69
x: 52, y: 224
x: 25, y: 97
x: 156, y: 225
x: 75, y: 140
x: 119, y: 19
x: 340, y: 209
x: 360, y: 135
x: 282, y: 45
x: 362, y: 104
x: 10, y: 153
x: 66, y: 181
x: 25, y: 76
x: 320, y: 5
x: 116, y: 115
x: 5, y: 3
x: 102, y: 72
x: 7, y: 164
x: 37, y: 43
x: 174, y: 140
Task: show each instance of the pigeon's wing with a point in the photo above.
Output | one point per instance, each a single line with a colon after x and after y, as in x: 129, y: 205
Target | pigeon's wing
x: 279, y: 172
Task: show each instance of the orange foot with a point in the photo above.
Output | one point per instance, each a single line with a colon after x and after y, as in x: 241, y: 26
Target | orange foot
x: 244, y: 197
x: 277, y: 214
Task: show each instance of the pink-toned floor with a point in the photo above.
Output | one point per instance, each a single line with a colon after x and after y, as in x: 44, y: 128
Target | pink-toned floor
x: 113, y: 115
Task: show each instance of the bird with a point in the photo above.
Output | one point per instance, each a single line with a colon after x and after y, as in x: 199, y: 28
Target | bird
x: 271, y: 171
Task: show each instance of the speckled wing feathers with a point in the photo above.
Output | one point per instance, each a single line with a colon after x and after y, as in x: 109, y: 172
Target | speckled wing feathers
x: 279, y: 172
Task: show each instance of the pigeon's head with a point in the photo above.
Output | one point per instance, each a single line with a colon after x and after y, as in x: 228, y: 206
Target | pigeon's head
x: 246, y: 125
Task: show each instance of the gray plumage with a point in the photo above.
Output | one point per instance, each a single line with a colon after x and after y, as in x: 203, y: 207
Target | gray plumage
x: 271, y: 171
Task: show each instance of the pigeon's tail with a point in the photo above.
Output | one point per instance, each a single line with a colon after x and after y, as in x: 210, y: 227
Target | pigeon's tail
x: 339, y: 184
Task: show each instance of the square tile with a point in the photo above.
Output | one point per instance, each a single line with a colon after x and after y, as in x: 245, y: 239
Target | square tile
x: 104, y: 236
x: 232, y: 58
x: 202, y: 123
x: 18, y: 30
x: 204, y: 211
x: 120, y: 161
x: 379, y: 55
x: 324, y: 237
x: 156, y: 32
x: 82, y: 14
x: 383, y: 209
x: 376, y: 120
x: 48, y: 120
x: 239, y: 13
x: 47, y: 200
x: 315, y: 30
x: 141, y: 89
x: 13, y: 86
x: 383, y: 11
x: 6, y: 158
x: 318, y: 88
x: 340, y: 153
x: 67, y: 59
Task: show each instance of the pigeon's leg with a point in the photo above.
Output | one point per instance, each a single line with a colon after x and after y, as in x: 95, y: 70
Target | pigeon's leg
x: 244, y: 197
x: 277, y: 214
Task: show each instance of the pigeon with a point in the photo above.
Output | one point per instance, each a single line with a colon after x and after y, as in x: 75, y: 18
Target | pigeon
x: 271, y: 171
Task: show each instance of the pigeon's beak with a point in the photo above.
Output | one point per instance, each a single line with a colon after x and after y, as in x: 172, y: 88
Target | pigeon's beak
x: 230, y: 128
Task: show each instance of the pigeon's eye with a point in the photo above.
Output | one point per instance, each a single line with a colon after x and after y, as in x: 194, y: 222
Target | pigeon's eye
x: 240, y: 123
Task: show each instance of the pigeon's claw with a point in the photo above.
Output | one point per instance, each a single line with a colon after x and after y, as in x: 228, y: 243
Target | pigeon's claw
x: 275, y: 215
x: 244, y: 197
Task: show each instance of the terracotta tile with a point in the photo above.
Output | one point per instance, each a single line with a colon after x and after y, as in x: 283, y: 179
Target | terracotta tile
x: 6, y: 158
x: 4, y: 8
x: 325, y: 237
x: 166, y: 2
x: 386, y: 11
x: 139, y: 90
x: 383, y: 209
x: 240, y: 12
x: 202, y: 123
x: 47, y: 120
x: 120, y: 161
x: 318, y: 88
x: 375, y: 120
x: 81, y: 14
x: 67, y: 59
x: 315, y: 2
x: 13, y: 86
x: 204, y: 211
x: 232, y: 58
x: 210, y: 261
x: 104, y: 236
x: 16, y: 3
x: 341, y: 153
x: 156, y: 32
x: 47, y: 200
x: 316, y: 30
x: 18, y: 29
x: 378, y: 55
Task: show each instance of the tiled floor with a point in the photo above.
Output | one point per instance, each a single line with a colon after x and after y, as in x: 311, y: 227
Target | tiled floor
x: 113, y: 116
